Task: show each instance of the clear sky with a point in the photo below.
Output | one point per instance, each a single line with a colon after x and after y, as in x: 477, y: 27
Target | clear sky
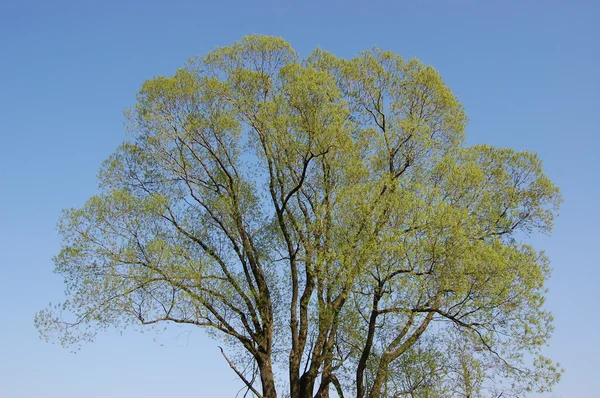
x: 526, y: 71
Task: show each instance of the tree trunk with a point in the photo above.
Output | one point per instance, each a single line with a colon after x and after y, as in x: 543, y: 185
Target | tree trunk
x: 362, y: 363
x: 267, y: 378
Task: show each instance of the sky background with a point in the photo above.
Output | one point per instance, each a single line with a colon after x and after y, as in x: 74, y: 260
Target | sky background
x: 526, y: 72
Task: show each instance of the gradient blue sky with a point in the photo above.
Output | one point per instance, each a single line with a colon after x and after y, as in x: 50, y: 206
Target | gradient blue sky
x: 526, y: 71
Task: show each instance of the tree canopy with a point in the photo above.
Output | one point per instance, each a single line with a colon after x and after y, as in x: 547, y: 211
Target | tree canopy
x: 325, y: 219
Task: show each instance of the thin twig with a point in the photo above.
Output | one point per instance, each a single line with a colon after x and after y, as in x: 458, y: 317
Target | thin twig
x: 240, y: 375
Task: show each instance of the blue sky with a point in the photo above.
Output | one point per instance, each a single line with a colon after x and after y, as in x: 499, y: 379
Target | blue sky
x: 526, y: 71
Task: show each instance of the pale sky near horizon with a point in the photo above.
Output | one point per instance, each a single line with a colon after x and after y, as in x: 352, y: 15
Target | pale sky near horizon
x: 526, y: 72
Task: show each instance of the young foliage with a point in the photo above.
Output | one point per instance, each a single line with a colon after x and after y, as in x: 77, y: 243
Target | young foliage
x: 325, y: 217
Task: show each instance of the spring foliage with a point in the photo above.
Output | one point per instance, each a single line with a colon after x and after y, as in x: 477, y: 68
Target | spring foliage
x: 324, y: 217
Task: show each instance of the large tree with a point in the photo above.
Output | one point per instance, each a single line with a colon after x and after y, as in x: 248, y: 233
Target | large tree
x: 324, y: 218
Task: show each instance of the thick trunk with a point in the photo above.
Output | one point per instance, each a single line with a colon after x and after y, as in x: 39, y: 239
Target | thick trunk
x: 307, y: 385
x: 267, y: 378
x: 294, y: 375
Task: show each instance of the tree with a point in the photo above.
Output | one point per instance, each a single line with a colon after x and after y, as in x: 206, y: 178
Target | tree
x: 321, y: 216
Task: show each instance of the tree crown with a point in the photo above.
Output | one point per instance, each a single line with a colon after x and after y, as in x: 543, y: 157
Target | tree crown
x: 323, y: 215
